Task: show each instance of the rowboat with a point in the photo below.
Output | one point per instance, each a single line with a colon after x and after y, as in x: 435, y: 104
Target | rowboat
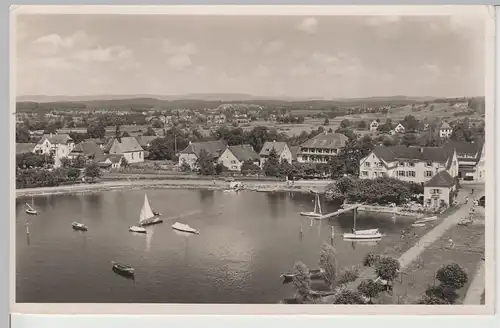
x: 124, y: 269
x: 184, y: 227
x: 79, y: 226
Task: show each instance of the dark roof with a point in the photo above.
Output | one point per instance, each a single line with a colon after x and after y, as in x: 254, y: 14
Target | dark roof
x: 144, y: 141
x: 278, y: 146
x: 464, y: 147
x: 294, y: 150
x: 326, y: 140
x: 214, y: 148
x: 244, y: 152
x: 124, y: 145
x: 97, y: 141
x: 87, y: 148
x: 55, y: 138
x: 114, y: 158
x: 442, y: 179
x: 394, y: 153
x: 22, y: 148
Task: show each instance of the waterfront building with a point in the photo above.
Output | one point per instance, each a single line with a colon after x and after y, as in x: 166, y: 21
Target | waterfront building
x: 471, y: 159
x: 233, y: 157
x: 192, y: 152
x: 88, y: 149
x: 281, y: 148
x: 321, y: 148
x: 57, y: 145
x: 439, y: 191
x: 129, y: 147
x: 412, y: 164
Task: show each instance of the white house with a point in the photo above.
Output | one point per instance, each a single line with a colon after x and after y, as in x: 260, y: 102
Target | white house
x: 234, y: 157
x: 374, y: 125
x: 321, y: 148
x: 58, y: 145
x: 412, y: 164
x: 445, y: 130
x: 281, y: 149
x: 129, y: 147
x: 400, y: 128
x: 438, y: 191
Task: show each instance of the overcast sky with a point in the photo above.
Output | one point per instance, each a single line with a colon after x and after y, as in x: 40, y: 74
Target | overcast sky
x: 333, y: 57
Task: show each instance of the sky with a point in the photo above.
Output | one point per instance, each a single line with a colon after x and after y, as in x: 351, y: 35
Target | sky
x: 271, y: 56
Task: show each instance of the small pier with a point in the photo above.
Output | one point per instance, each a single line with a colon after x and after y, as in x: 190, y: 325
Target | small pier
x: 341, y: 211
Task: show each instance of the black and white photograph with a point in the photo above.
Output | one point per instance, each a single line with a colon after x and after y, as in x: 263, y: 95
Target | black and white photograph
x: 236, y: 158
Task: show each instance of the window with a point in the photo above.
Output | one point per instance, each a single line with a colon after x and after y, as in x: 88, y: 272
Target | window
x: 428, y: 164
x: 140, y: 155
x: 233, y: 162
x: 375, y: 174
x: 132, y: 155
x: 428, y: 174
x: 410, y: 174
x: 411, y: 164
x: 367, y: 164
x: 401, y: 163
x: 435, y: 191
x: 365, y: 173
x: 401, y: 173
x: 379, y: 164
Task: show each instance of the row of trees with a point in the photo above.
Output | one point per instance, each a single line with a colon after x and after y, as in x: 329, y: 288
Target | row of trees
x: 32, y: 177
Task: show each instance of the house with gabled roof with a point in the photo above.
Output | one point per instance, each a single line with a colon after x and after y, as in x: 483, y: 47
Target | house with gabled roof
x: 233, y: 157
x: 374, y: 125
x: 191, y: 153
x: 129, y: 147
x: 471, y: 159
x: 281, y: 148
x: 57, y: 145
x: 400, y: 128
x: 87, y: 149
x: 412, y: 164
x: 321, y: 148
x: 445, y: 130
x: 439, y: 191
x: 110, y: 161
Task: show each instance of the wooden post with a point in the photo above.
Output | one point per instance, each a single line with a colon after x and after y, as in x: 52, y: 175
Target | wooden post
x: 27, y: 229
x: 333, y: 231
x: 355, y: 214
x: 311, y: 223
x: 301, y: 229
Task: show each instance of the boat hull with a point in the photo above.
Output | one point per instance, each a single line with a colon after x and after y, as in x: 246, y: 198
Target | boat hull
x: 151, y: 222
x: 137, y: 229
x: 362, y: 236
x: 32, y: 212
x: 179, y: 227
x: 123, y: 269
x: 367, y: 232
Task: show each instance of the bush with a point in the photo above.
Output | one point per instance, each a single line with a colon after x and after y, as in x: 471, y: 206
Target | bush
x: 347, y: 296
x: 328, y: 262
x: 443, y: 292
x: 349, y: 275
x: 370, y: 288
x: 370, y: 259
x: 387, y: 268
x: 452, y: 275
x: 432, y: 300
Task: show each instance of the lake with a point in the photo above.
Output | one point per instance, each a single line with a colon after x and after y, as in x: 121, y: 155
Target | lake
x: 246, y: 241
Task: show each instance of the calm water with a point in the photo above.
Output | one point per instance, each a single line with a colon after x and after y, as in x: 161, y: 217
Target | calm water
x: 246, y: 241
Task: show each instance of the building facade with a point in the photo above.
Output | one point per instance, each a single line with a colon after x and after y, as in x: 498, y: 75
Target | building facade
x: 471, y: 159
x: 445, y: 130
x: 281, y: 148
x: 233, y: 157
x: 374, y: 125
x: 439, y: 191
x: 57, y: 145
x: 321, y: 148
x: 411, y: 164
x: 129, y: 147
x: 192, y: 152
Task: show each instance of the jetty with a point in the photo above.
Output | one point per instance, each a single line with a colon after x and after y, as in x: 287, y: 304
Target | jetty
x: 341, y: 211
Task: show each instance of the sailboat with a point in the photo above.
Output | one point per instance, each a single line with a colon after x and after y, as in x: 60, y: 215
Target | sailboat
x: 30, y: 209
x: 317, y: 209
x: 148, y: 217
x: 367, y: 234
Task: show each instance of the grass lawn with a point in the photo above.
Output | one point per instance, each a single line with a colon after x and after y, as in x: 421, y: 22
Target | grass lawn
x: 467, y: 251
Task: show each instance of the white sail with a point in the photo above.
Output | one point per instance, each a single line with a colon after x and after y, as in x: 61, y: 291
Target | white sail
x: 146, y: 211
x: 29, y: 207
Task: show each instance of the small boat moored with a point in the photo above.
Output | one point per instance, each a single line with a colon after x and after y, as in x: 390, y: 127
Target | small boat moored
x: 124, y: 269
x: 137, y: 229
x: 184, y: 227
x: 79, y: 226
x: 30, y: 210
x: 352, y: 236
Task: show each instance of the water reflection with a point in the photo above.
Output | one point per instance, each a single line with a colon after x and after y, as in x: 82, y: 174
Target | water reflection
x: 206, y: 196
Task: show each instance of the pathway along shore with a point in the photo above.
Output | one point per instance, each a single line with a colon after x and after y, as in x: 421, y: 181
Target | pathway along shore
x: 414, y: 252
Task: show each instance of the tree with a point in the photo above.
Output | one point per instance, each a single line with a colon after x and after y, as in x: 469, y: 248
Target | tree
x: 125, y: 134
x: 410, y: 139
x: 349, y: 275
x: 387, y: 268
x: 92, y: 171
x: 219, y: 168
x: 302, y: 282
x: 205, y: 163
x: 150, y: 132
x: 272, y: 164
x: 452, y: 275
x: 370, y: 259
x: 157, y: 124
x: 123, y: 162
x: 345, y: 124
x: 249, y: 167
x: 328, y: 262
x: 65, y: 162
x: 443, y: 292
x: 410, y: 123
x: 96, y: 131
x: 347, y: 296
x: 185, y: 167
x: 22, y: 134
x: 78, y: 137
x: 370, y: 288
x: 73, y: 173
x: 327, y: 121
x: 78, y: 162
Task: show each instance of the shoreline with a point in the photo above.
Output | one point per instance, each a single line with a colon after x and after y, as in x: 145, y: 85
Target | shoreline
x: 257, y: 186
